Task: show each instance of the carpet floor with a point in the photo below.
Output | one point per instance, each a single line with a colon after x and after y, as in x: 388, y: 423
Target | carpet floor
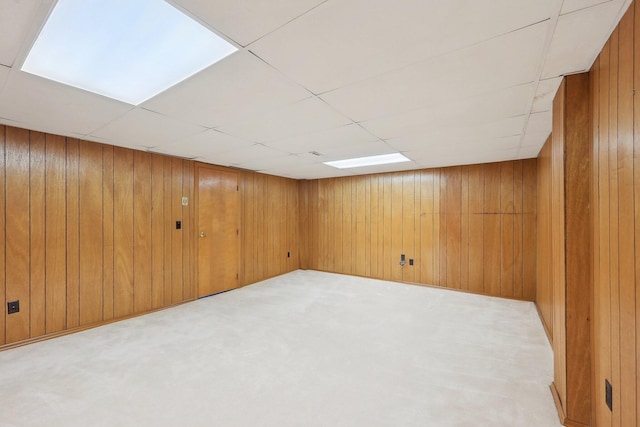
x: 303, y: 349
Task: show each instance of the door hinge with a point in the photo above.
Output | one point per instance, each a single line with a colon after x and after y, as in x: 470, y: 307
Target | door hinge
x: 237, y: 188
x: 237, y: 232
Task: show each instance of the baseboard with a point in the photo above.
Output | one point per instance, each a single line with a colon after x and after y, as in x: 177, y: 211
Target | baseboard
x: 558, y: 402
x: 82, y: 328
x: 426, y: 285
x: 569, y: 423
x: 561, y: 414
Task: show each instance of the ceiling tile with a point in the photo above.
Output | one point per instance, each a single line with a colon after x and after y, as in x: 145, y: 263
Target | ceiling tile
x: 52, y: 107
x: 119, y: 143
x: 205, y: 144
x: 540, y: 123
x: 18, y: 21
x: 324, y: 140
x: 434, y: 152
x: 535, y: 139
x: 146, y: 128
x: 350, y: 151
x: 460, y: 136
x: 579, y: 37
x: 468, y: 158
x: 528, y: 152
x: 481, y: 68
x: 419, y: 143
x: 493, y: 107
x: 325, y: 49
x: 246, y: 20
x: 254, y: 157
x: 497, y: 144
x: 267, y: 161
x: 569, y: 6
x: 307, y: 170
x: 240, y: 85
x: 446, y: 83
x: 4, y: 75
x: 543, y: 100
x: 304, y: 117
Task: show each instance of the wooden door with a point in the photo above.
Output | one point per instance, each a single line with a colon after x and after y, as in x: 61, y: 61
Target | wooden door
x: 218, y: 234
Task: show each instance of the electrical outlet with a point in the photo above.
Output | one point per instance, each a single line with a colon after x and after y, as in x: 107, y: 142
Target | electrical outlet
x: 410, y: 261
x: 13, y: 307
x: 288, y: 254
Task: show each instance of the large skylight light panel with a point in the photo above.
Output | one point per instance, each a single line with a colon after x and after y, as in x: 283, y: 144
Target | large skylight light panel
x: 383, y: 159
x: 129, y: 50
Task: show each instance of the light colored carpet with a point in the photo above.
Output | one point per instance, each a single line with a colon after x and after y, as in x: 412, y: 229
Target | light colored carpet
x: 303, y: 349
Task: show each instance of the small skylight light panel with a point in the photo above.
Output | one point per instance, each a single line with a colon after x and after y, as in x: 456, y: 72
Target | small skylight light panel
x: 368, y: 161
x: 129, y: 50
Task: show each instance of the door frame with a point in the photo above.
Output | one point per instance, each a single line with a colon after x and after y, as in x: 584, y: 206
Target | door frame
x: 196, y: 230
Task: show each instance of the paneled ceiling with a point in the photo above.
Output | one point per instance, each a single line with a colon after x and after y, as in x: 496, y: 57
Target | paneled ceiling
x: 444, y: 82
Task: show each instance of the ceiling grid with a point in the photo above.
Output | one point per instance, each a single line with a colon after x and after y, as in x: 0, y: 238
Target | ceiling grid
x: 444, y: 83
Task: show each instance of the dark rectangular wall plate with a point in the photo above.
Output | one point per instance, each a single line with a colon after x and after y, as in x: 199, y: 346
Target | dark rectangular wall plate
x: 608, y: 394
x: 13, y: 307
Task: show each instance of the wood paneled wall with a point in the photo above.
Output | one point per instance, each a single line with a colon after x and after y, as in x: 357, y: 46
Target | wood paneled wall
x: 467, y: 227
x: 615, y: 78
x: 88, y: 233
x: 544, y: 283
x: 564, y: 248
x: 578, y: 248
x: 269, y: 226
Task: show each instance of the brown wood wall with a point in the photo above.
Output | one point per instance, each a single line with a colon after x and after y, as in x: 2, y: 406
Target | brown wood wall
x: 578, y: 247
x: 615, y: 76
x: 269, y: 226
x: 564, y: 247
x: 558, y: 251
x: 544, y: 283
x: 467, y: 227
x: 89, y: 233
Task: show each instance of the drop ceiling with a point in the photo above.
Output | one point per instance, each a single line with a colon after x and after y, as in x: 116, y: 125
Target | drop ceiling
x: 444, y: 82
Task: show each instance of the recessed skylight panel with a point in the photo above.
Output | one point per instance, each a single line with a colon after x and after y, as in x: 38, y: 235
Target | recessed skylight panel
x: 129, y: 50
x: 358, y: 162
